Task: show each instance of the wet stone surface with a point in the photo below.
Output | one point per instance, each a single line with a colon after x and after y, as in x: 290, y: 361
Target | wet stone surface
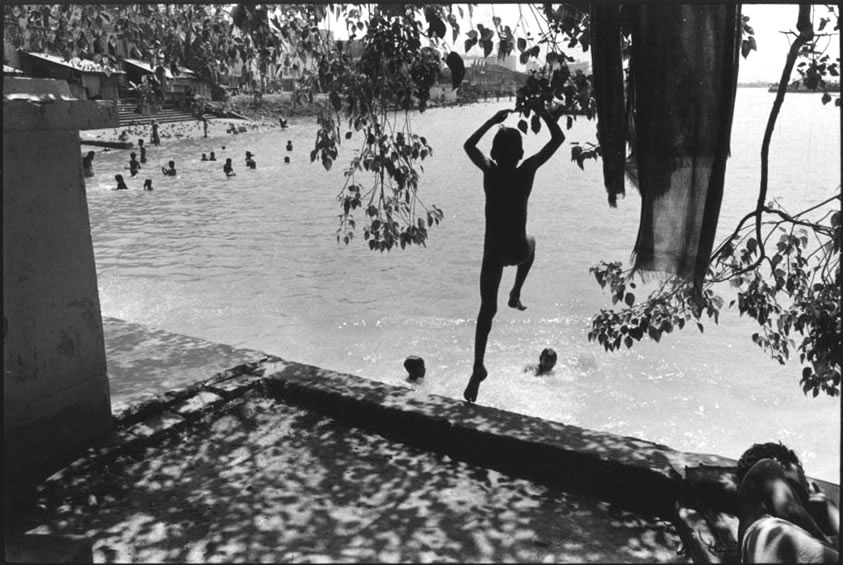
x: 266, y: 481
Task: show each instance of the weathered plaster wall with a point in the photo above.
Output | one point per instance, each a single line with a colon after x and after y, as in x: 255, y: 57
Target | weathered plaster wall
x: 55, y: 385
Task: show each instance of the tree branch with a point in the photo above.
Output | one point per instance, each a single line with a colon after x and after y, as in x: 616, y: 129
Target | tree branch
x: 806, y: 33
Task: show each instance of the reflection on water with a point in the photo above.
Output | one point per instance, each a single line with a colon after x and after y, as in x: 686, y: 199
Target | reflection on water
x: 252, y: 261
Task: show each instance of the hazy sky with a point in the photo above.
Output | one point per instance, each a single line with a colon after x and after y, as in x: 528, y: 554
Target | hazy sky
x: 767, y: 21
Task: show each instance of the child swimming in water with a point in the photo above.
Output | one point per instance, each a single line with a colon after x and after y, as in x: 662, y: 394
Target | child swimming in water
x: 171, y: 172
x: 415, y: 368
x: 228, y: 169
x: 249, y: 161
x: 507, y: 186
x: 134, y: 166
x: 547, y: 361
x: 121, y: 185
x: 88, y: 164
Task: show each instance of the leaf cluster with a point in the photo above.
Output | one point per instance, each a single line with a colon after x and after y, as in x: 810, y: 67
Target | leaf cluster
x: 672, y: 306
x: 373, y: 96
x: 788, y: 283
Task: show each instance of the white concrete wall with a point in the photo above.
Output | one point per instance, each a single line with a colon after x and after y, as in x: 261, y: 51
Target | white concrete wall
x: 56, y: 399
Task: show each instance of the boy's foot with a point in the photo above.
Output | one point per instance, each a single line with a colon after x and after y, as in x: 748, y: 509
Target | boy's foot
x: 515, y: 302
x: 477, y: 377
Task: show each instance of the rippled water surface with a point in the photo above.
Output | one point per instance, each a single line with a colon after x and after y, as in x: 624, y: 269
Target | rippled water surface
x: 252, y: 261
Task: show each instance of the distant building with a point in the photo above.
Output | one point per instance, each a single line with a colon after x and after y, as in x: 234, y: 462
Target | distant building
x: 584, y: 66
x: 510, y: 62
x: 175, y: 87
x: 87, y: 79
x: 11, y: 71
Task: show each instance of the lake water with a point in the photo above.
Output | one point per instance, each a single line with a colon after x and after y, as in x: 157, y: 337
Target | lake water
x: 252, y: 261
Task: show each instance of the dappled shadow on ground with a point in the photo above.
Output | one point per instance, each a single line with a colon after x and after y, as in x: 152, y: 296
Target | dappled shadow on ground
x: 265, y: 481
x: 144, y: 362
x: 636, y: 473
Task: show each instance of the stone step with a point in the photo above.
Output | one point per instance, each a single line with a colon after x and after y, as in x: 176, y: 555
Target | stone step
x: 162, y: 117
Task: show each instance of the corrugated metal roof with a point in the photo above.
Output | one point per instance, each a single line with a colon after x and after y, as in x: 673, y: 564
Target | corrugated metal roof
x: 76, y: 63
x: 184, y: 72
x: 143, y: 65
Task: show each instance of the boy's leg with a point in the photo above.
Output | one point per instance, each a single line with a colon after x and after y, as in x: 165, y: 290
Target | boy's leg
x: 521, y: 276
x: 490, y: 280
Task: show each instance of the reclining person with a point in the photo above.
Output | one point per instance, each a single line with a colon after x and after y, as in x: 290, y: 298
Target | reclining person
x: 782, y: 517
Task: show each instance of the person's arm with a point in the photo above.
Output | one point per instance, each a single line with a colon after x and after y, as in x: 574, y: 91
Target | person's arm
x: 555, y: 142
x: 470, y: 145
x: 824, y: 511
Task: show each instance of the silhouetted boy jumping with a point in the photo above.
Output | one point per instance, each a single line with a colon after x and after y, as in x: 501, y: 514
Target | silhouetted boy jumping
x: 507, y: 186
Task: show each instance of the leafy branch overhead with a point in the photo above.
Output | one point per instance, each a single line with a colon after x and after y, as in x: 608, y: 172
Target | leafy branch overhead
x: 371, y: 97
x: 783, y: 269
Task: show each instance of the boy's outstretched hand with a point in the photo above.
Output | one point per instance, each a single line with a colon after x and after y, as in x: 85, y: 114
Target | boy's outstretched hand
x: 500, y: 116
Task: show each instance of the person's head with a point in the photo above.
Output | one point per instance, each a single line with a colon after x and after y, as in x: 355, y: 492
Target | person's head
x: 133, y: 155
x: 506, y: 146
x: 212, y: 154
x: 547, y: 360
x: 415, y: 367
x: 204, y: 156
x: 91, y: 154
x: 776, y: 451
x: 140, y: 143
x: 286, y: 159
x: 172, y: 164
x: 780, y: 453
x: 119, y: 179
x: 147, y: 184
x: 248, y: 154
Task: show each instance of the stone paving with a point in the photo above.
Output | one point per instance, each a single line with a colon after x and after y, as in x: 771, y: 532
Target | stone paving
x: 262, y: 481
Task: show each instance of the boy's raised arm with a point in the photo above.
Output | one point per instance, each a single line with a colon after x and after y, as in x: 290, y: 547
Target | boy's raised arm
x: 470, y: 145
x: 556, y: 139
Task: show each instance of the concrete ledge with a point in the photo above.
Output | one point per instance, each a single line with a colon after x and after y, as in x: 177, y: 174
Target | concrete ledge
x: 641, y: 475
x: 154, y: 427
x: 45, y: 114
x: 193, y: 407
x: 109, y: 144
x: 700, y: 542
x: 635, y: 473
x: 43, y: 548
x: 725, y: 529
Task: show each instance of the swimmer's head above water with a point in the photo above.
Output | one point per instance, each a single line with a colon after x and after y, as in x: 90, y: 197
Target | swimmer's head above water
x: 547, y: 360
x: 415, y: 368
